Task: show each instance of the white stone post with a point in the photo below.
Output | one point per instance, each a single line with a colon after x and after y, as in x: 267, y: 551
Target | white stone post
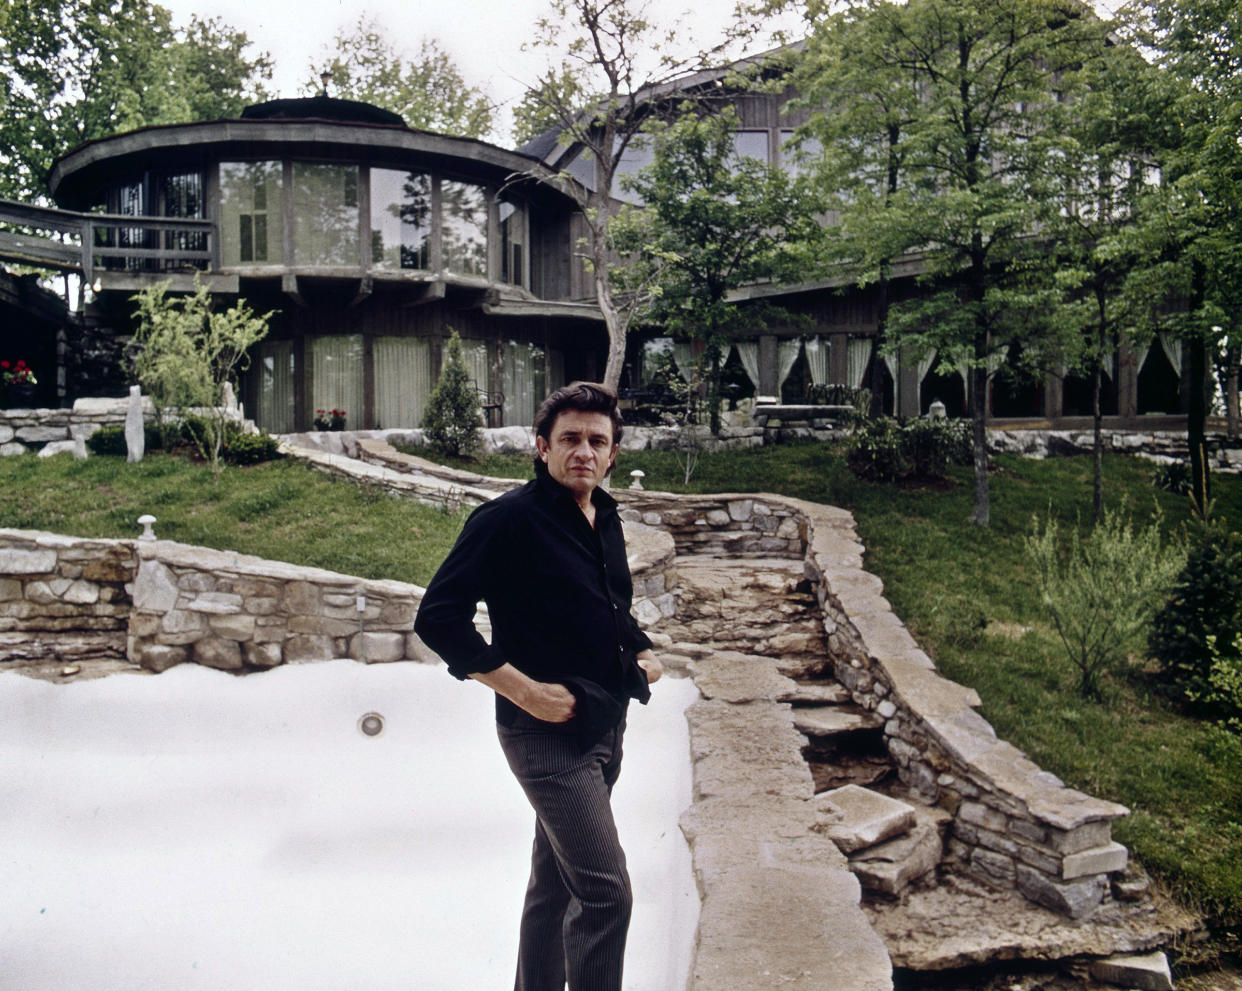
x: 135, y: 440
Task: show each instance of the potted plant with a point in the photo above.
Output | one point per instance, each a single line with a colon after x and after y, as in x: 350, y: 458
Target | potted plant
x: 19, y: 383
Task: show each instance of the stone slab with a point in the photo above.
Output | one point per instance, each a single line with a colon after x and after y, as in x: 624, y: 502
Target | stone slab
x: 890, y: 866
x: 1148, y: 972
x: 833, y: 720
x: 855, y: 818
x: 1106, y: 859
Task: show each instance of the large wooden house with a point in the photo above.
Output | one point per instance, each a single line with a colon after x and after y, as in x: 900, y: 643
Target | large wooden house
x: 370, y: 241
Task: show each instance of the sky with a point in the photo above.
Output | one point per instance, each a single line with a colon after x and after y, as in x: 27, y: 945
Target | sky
x: 484, y: 37
x: 200, y: 830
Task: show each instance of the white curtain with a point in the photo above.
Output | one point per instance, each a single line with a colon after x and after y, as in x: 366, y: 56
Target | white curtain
x: 402, y: 380
x: 336, y: 376
x: 474, y: 355
x: 524, y: 375
x: 1141, y: 352
x: 993, y: 363
x: 817, y: 359
x: 858, y: 354
x: 924, y: 366
x: 786, y: 354
x: 683, y: 358
x: 276, y: 387
x: 1173, y: 350
x: 748, y: 354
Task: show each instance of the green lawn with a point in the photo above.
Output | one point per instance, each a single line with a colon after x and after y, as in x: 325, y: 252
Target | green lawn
x: 965, y: 594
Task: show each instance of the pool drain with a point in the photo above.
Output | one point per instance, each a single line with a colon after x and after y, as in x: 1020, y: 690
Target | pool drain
x: 372, y: 724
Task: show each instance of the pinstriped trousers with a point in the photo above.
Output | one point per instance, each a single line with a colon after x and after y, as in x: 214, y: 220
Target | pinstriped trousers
x: 578, y: 899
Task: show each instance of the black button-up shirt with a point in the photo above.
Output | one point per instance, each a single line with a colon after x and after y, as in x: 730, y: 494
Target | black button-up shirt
x: 558, y: 593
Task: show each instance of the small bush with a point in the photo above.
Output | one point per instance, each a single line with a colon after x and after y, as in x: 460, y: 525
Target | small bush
x: 1101, y: 593
x: 451, y: 420
x: 1172, y: 477
x: 1204, y: 608
x: 1224, y: 693
x: 110, y: 439
x: 921, y: 450
x: 250, y: 449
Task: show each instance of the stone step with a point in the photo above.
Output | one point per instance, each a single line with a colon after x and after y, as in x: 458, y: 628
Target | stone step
x: 821, y: 693
x: 1149, y: 971
x: 855, y: 818
x: 889, y: 867
x: 833, y: 720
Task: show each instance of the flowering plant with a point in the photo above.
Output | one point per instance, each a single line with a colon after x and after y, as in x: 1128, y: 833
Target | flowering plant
x: 331, y: 419
x: 18, y: 373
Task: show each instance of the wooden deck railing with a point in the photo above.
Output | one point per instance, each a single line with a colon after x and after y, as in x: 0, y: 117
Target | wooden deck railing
x: 83, y: 242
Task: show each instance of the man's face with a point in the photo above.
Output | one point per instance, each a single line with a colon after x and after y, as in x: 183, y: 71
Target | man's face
x: 579, y: 451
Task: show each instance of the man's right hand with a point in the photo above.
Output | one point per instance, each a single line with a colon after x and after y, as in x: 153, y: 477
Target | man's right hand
x: 547, y: 701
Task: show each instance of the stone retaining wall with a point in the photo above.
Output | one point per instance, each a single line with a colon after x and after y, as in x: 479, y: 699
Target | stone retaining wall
x: 1014, y: 824
x: 178, y: 603
x: 728, y: 525
x: 1224, y: 455
x: 22, y: 430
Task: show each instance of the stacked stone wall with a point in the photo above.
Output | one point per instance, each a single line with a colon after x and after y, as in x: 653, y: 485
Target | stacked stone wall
x: 51, y: 584
x: 726, y: 525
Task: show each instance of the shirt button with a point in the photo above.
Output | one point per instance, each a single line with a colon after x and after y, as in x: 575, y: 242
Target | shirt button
x: 615, y: 606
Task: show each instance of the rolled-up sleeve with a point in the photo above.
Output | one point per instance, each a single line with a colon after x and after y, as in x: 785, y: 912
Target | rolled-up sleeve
x: 445, y: 619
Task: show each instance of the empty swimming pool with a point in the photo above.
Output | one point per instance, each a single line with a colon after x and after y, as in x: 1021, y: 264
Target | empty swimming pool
x: 198, y: 830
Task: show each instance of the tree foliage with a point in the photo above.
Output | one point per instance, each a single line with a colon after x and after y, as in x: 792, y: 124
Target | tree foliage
x: 185, y: 352
x: 73, y: 70
x: 427, y: 89
x: 451, y: 419
x: 711, y: 222
x: 939, y: 122
x: 608, y: 61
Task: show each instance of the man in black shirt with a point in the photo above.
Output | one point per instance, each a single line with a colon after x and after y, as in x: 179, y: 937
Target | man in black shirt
x: 566, y: 657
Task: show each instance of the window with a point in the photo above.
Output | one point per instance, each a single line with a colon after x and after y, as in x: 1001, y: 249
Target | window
x: 251, y: 228
x: 751, y: 144
x: 336, y: 376
x: 182, y: 196
x: 513, y: 239
x: 464, y: 210
x: 524, y: 382
x: 400, y: 219
x: 797, y: 158
x: 275, y: 373
x: 325, y: 214
x: 402, y: 380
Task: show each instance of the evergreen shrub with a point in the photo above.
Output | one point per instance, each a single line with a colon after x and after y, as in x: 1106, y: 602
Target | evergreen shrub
x: 884, y: 450
x: 451, y: 420
x: 1205, y: 608
x: 250, y: 449
x: 110, y: 439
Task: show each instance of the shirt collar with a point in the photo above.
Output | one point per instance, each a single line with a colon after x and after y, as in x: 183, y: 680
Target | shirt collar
x: 554, y: 490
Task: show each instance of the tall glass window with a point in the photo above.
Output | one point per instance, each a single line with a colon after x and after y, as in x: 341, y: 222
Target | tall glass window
x: 251, y: 213
x: 336, y: 376
x: 402, y: 380
x: 513, y: 241
x: 275, y: 371
x: 400, y: 219
x: 524, y: 382
x: 464, y: 222
x: 182, y: 196
x: 325, y: 214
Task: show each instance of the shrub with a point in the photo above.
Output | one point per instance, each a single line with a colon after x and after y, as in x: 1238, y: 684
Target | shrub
x: 1172, y: 477
x: 250, y: 449
x: 1101, y: 593
x: 451, y: 420
x: 110, y: 439
x: 1205, y: 607
x: 1224, y: 693
x: 885, y: 451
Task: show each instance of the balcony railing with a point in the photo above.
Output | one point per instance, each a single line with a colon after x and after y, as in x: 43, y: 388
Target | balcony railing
x: 84, y: 242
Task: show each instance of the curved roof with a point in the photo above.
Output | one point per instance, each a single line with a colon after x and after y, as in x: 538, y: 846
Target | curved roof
x: 347, y: 132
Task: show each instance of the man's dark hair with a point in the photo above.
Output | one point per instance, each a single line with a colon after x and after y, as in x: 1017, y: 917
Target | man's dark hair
x: 581, y: 397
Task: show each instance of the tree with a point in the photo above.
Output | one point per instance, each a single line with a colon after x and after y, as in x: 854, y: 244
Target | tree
x: 73, y: 70
x: 184, y: 354
x: 611, y: 51
x: 427, y: 90
x: 1108, y: 170
x: 978, y: 92
x: 1193, y: 223
x: 451, y: 420
x: 711, y: 222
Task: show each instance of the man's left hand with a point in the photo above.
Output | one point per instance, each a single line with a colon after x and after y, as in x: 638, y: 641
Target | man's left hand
x: 651, y: 666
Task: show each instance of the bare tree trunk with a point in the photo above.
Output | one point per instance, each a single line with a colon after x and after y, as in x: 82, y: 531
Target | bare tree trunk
x: 1097, y: 416
x: 1231, y: 387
